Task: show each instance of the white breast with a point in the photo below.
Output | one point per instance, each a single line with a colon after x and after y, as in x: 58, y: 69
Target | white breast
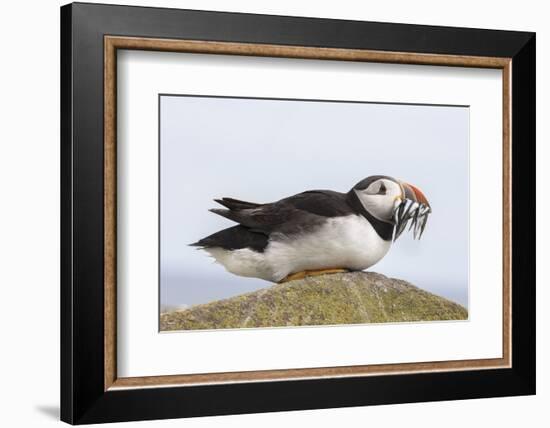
x: 342, y: 242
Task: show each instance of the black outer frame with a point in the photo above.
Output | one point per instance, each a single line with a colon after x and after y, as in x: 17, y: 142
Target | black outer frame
x: 83, y: 399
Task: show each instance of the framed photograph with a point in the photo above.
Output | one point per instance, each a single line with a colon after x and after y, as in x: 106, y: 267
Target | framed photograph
x: 265, y: 213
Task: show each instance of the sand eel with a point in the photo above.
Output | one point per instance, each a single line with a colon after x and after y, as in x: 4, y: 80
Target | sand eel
x: 318, y: 231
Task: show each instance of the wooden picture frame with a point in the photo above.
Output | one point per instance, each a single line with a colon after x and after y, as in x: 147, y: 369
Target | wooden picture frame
x: 91, y: 390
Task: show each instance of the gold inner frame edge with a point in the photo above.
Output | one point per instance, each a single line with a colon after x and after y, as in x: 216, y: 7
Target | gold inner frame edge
x: 113, y: 43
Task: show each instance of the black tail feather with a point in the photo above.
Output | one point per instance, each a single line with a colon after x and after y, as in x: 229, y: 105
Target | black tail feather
x: 234, y: 238
x: 231, y: 215
x: 235, y: 204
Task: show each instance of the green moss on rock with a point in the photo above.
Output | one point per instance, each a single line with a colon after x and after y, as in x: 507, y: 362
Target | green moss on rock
x: 342, y: 298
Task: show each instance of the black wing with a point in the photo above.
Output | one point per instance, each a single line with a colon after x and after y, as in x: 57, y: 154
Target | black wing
x: 295, y: 214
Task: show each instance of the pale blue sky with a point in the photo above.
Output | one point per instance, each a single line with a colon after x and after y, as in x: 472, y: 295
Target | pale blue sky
x: 265, y: 150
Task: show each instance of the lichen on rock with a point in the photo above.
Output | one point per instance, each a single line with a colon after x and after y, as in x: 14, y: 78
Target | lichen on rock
x: 341, y: 298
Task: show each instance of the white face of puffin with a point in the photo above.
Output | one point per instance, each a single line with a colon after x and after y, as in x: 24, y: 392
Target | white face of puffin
x: 381, y: 198
x: 396, y: 202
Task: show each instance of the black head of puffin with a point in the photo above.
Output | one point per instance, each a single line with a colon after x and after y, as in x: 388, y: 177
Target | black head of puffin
x: 390, y: 203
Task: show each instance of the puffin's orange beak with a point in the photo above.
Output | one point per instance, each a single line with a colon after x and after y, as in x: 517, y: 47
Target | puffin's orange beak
x: 415, y: 194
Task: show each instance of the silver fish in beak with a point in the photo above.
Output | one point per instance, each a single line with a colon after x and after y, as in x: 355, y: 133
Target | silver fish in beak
x: 413, y: 207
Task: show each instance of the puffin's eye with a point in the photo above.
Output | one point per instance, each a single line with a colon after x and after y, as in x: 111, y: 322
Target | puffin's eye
x: 382, y: 189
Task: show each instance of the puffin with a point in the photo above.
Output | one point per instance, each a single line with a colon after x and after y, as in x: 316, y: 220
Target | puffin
x: 316, y: 232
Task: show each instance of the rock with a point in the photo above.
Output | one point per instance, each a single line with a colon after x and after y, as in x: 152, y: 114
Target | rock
x: 341, y: 298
